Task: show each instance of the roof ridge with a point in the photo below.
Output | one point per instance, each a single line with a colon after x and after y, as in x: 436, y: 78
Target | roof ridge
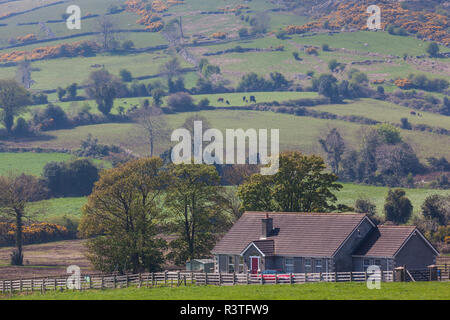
x: 306, y: 213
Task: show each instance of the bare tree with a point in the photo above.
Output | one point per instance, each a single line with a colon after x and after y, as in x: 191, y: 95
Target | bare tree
x: 15, y: 192
x: 23, y: 74
x: 171, y: 69
x: 153, y: 120
x: 334, y: 146
x: 107, y: 33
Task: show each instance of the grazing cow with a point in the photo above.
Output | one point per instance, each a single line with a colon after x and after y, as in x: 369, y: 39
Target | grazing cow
x: 413, y: 113
x: 228, y: 102
x: 220, y: 100
x: 252, y: 99
x: 419, y: 115
x: 244, y: 98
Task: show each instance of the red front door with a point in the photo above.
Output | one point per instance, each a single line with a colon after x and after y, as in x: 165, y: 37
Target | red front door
x: 255, y: 265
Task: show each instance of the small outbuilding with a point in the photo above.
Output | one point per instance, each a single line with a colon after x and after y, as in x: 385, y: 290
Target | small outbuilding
x: 204, y: 265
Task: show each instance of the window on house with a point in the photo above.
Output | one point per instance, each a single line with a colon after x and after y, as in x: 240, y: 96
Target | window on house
x: 307, y: 265
x: 230, y: 264
x: 289, y: 265
x: 241, y: 264
x: 318, y: 265
x: 216, y: 263
x: 366, y: 264
x: 378, y: 262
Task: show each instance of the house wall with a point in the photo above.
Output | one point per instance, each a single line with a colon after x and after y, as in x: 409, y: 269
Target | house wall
x: 415, y: 254
x: 253, y: 252
x: 343, y: 258
x: 358, y: 264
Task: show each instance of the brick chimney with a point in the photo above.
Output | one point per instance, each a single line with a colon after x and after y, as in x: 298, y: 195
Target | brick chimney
x: 266, y: 227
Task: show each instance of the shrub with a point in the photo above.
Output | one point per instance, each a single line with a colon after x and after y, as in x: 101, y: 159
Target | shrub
x: 51, y: 118
x: 203, y: 103
x: 243, y: 33
x: 181, y: 101
x: 325, y: 47
x: 363, y: 205
x: 22, y: 129
x: 71, y: 179
x: 32, y: 233
x: 125, y: 75
x: 398, y: 207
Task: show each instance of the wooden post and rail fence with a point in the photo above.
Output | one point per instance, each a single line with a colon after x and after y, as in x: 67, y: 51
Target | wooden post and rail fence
x: 184, y: 278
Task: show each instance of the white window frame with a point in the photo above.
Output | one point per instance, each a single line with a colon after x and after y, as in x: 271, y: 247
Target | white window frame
x: 316, y: 267
x: 241, y: 264
x: 289, y: 267
x: 231, y: 264
x: 308, y: 265
x: 365, y: 266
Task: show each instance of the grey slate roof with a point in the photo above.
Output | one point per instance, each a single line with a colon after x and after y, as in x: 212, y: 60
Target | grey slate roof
x: 384, y: 241
x: 296, y: 234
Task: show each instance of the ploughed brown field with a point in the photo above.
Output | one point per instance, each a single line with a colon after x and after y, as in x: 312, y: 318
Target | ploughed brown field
x: 45, y: 260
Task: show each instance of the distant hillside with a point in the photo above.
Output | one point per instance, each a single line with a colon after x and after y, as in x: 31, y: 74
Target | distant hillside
x: 429, y: 22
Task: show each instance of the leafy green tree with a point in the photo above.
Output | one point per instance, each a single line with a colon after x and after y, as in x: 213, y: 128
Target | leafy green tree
x: 74, y: 178
x: 126, y: 75
x: 327, y: 86
x: 433, y: 49
x: 193, y: 200
x: 157, y: 95
x: 300, y: 185
x: 104, y: 88
x: 363, y: 205
x: 389, y: 133
x: 13, y: 100
x: 397, y: 207
x: 437, y: 208
x: 124, y: 214
x: 72, y: 91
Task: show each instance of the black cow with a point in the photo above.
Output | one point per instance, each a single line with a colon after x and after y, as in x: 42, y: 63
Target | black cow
x: 244, y: 98
x: 413, y: 113
x: 220, y: 100
x: 228, y: 102
x: 252, y: 99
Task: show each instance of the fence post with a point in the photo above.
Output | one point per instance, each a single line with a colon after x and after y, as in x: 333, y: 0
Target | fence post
x: 351, y: 276
x: 234, y: 278
x: 165, y: 278
x: 335, y: 276
x: 206, y: 278
x: 178, y: 279
x: 220, y: 278
x: 291, y: 278
x: 114, y: 282
x: 184, y: 278
x: 32, y: 285
x: 101, y: 283
x: 262, y: 279
x: 432, y: 271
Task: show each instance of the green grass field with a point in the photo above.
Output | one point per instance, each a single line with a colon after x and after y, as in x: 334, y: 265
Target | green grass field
x: 385, y: 112
x: 33, y: 163
x: 296, y: 133
x: 28, y: 163
x: 377, y: 195
x: 310, y: 291
x: 54, y: 210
